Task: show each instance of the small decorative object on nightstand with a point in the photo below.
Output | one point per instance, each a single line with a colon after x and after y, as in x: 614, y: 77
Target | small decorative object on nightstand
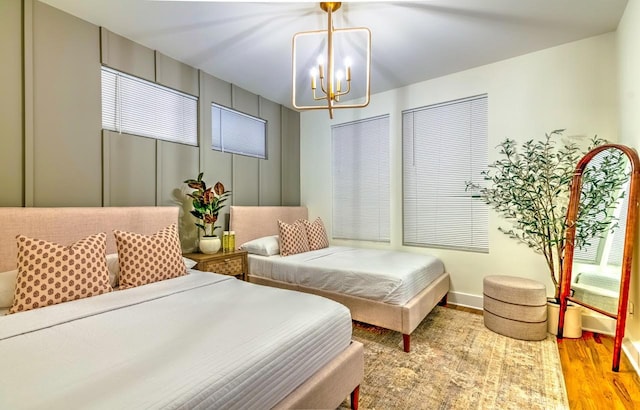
x: 233, y: 263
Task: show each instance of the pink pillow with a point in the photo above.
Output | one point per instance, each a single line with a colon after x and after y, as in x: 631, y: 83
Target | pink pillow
x: 316, y: 233
x: 49, y: 273
x: 293, y: 238
x: 145, y: 259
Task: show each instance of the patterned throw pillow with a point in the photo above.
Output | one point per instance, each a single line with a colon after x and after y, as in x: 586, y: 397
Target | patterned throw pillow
x: 145, y: 259
x: 293, y: 238
x: 316, y: 233
x: 49, y: 273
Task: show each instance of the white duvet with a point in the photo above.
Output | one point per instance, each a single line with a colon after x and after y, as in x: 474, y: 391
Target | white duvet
x: 198, y: 341
x: 385, y: 276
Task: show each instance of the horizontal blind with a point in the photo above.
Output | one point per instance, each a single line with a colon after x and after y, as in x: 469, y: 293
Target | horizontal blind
x: 443, y: 147
x: 238, y: 133
x: 360, y: 176
x: 135, y: 106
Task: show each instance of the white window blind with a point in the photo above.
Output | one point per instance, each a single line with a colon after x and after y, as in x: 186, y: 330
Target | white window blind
x: 238, y: 133
x: 443, y: 146
x: 360, y: 173
x: 135, y: 106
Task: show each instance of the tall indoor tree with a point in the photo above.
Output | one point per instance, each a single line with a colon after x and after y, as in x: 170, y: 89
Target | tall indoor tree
x: 529, y: 186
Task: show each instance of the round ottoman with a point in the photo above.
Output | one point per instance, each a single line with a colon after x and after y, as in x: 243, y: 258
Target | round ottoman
x: 515, y: 307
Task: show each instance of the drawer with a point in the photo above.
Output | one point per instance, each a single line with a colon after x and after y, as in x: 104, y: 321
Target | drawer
x: 228, y: 266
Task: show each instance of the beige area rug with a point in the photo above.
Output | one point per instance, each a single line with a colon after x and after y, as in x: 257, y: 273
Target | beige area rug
x: 457, y: 363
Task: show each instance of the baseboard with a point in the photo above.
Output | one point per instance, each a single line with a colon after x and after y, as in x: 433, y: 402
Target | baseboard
x: 594, y: 322
x: 465, y: 299
x: 632, y: 351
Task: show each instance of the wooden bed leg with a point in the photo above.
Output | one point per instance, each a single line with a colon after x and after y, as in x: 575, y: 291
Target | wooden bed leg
x: 406, y: 341
x: 355, y: 396
x: 443, y: 301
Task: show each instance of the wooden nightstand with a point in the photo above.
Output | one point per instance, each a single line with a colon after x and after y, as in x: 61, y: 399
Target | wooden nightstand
x: 232, y: 263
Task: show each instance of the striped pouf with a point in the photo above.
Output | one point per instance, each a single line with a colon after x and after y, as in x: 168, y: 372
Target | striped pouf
x: 515, y: 307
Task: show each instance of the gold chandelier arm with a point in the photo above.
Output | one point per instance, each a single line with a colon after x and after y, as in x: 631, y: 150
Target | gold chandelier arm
x: 346, y: 91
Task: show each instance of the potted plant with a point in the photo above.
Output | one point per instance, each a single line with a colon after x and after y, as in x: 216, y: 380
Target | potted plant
x: 529, y: 186
x: 207, y: 202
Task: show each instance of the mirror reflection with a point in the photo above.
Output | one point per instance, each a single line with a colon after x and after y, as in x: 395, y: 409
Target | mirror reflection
x: 600, y: 234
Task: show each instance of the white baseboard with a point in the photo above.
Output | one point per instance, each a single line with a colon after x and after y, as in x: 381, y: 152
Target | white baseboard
x: 597, y: 323
x: 632, y: 351
x: 465, y: 299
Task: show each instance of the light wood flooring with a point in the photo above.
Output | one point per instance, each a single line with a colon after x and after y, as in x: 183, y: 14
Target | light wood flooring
x: 586, y: 365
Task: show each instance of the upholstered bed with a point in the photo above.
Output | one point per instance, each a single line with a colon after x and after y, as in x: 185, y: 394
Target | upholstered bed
x: 200, y: 340
x: 395, y: 290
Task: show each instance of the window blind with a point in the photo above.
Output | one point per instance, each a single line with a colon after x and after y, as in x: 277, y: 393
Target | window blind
x: 238, y: 133
x: 360, y: 176
x: 135, y: 106
x: 443, y: 147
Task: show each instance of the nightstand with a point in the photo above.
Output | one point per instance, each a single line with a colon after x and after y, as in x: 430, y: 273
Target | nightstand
x: 232, y: 263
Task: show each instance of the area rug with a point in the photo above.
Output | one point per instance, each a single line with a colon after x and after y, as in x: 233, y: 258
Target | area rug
x: 457, y: 363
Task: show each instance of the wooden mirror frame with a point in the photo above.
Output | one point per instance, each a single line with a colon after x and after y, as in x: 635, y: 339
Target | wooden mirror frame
x: 629, y: 238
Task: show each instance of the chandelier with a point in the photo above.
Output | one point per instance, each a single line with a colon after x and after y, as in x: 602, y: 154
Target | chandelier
x: 317, y: 51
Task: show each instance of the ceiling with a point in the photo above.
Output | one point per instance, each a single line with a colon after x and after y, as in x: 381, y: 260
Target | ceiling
x: 249, y: 44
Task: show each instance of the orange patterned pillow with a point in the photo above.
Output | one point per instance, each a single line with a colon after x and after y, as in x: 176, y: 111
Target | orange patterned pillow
x: 293, y: 238
x: 49, y: 273
x: 316, y: 233
x: 145, y: 259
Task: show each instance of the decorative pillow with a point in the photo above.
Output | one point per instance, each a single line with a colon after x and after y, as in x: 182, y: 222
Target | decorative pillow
x: 145, y: 259
x: 316, y: 233
x: 7, y: 288
x: 114, y: 268
x: 293, y: 238
x: 265, y: 246
x: 49, y: 273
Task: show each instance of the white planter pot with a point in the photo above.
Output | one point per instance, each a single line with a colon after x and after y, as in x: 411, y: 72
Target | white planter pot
x: 209, y: 244
x: 572, y: 320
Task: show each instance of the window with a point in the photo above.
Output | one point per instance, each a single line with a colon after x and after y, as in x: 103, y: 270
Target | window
x: 135, y: 106
x: 238, y: 133
x: 443, y: 146
x: 360, y: 172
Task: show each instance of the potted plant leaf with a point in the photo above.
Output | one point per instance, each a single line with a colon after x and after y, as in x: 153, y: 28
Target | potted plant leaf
x: 529, y: 187
x: 207, y: 203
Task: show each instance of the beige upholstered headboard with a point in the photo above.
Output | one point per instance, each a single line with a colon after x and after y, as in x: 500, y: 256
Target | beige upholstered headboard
x: 67, y: 225
x: 251, y: 222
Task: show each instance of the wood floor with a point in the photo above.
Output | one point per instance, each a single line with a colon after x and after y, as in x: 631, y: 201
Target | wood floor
x: 586, y: 365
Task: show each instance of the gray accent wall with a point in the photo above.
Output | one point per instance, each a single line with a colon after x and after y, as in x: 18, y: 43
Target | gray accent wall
x: 11, y: 104
x: 53, y: 151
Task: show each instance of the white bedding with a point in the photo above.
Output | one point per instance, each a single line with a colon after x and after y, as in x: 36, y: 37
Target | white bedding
x: 198, y: 341
x: 385, y: 276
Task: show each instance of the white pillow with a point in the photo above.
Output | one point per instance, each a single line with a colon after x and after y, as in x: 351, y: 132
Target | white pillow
x: 7, y: 288
x: 114, y: 268
x: 265, y: 246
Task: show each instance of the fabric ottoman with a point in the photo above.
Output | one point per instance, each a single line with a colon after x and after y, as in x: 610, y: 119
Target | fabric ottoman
x: 515, y: 307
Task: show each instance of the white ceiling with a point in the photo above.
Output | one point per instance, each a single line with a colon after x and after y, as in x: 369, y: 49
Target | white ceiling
x: 249, y: 44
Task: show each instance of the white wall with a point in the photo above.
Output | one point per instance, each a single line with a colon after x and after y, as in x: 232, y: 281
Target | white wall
x: 629, y: 93
x: 572, y: 86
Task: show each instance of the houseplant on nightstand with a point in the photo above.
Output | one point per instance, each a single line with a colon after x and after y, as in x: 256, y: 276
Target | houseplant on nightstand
x: 530, y: 186
x: 207, y: 202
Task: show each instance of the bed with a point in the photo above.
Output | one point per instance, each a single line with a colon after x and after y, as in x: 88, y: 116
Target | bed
x: 401, y: 311
x: 200, y: 340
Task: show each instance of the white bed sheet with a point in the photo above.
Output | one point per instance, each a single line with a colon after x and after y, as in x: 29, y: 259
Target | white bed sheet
x: 385, y: 276
x: 199, y: 341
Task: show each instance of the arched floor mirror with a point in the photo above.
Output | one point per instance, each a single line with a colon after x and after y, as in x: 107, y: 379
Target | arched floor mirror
x: 596, y: 275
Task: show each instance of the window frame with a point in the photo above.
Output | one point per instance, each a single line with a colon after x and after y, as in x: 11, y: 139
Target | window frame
x: 483, y: 246
x: 232, y: 111
x: 189, y: 128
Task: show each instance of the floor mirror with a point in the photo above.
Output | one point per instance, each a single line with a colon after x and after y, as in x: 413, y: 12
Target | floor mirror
x: 597, y: 271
